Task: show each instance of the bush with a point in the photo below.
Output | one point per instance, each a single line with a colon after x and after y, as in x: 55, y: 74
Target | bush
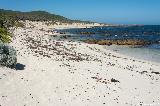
x: 4, y: 36
x: 19, y: 24
x: 7, y: 56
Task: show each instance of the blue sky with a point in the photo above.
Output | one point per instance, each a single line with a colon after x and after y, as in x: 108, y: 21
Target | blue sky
x: 109, y: 11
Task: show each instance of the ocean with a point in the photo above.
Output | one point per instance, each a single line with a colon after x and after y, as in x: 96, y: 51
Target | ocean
x: 148, y: 33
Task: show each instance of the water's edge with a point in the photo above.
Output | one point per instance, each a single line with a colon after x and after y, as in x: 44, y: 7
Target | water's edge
x: 142, y: 53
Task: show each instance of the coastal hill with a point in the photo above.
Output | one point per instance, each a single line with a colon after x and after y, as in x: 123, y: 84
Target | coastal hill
x: 11, y: 17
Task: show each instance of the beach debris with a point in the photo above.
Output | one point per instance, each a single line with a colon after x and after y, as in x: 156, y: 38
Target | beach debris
x: 155, y: 72
x: 143, y: 72
x: 114, y: 80
x: 104, y: 81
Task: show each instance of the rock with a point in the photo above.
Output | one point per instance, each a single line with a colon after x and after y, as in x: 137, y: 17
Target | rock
x: 114, y: 80
x: 19, y: 66
x: 87, y: 33
x: 118, y: 42
x: 155, y: 72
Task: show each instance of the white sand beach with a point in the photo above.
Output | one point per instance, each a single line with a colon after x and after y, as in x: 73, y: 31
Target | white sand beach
x: 68, y: 73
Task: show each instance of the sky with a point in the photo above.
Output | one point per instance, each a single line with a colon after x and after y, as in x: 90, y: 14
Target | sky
x: 105, y: 11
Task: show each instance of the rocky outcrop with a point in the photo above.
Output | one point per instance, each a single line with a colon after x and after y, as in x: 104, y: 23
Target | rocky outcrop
x: 118, y: 42
x: 87, y: 33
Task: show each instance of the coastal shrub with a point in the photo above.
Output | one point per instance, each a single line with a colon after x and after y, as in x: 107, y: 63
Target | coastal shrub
x: 9, y: 17
x: 7, y: 56
x: 4, y: 36
x: 19, y: 24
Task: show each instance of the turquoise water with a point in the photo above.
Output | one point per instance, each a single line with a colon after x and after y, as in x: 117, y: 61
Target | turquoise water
x: 143, y: 53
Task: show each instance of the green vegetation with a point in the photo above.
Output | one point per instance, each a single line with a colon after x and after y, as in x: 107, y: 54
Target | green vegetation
x: 5, y: 37
x: 10, y: 18
x: 8, y: 56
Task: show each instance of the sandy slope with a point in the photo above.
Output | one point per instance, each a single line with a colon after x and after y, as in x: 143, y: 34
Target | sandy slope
x: 62, y: 73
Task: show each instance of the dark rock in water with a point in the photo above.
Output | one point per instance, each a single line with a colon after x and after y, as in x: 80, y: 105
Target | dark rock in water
x: 118, y: 42
x: 8, y: 56
x: 114, y: 80
x: 62, y: 33
x: 19, y: 66
x: 64, y: 36
x: 87, y: 33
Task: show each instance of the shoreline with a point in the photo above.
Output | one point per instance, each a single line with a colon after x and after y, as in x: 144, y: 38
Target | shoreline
x: 65, y: 73
x: 128, y: 53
